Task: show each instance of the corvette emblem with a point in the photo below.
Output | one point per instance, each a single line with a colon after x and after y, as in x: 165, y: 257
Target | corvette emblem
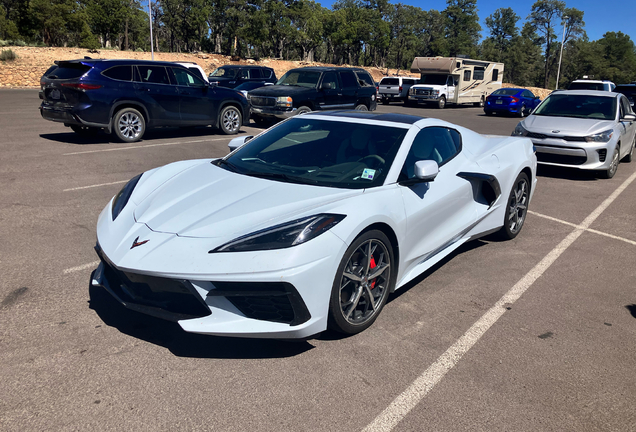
x: 138, y: 243
x: 556, y: 131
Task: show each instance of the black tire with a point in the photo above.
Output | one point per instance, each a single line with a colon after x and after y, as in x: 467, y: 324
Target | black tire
x: 611, y: 171
x: 441, y: 103
x: 230, y: 120
x: 516, y: 208
x: 630, y: 156
x: 362, y: 107
x: 410, y: 103
x: 385, y: 101
x: 85, y: 131
x: 129, y: 125
x: 522, y: 111
x: 303, y: 110
x: 488, y: 113
x: 350, y: 307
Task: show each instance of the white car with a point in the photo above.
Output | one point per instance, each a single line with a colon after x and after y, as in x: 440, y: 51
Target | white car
x: 196, y: 69
x: 584, y: 129
x: 309, y: 225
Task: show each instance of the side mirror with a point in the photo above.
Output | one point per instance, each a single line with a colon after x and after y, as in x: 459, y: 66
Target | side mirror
x: 426, y: 170
x: 629, y: 117
x: 238, y: 142
x: 325, y: 86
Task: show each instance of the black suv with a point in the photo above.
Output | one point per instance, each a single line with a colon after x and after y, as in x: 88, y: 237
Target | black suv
x: 128, y: 96
x: 628, y: 90
x: 314, y: 88
x: 234, y: 75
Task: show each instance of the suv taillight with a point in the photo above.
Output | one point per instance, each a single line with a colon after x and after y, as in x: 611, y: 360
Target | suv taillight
x: 400, y: 89
x: 82, y: 86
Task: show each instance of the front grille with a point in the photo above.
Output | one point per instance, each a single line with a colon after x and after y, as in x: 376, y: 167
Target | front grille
x: 267, y: 301
x: 177, y: 297
x: 565, y: 138
x: 561, y: 159
x: 536, y: 135
x: 602, y: 154
x: 424, y: 92
x: 262, y: 101
x: 573, y: 138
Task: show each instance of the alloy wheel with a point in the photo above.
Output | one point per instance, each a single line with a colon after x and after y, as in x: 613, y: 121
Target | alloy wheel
x: 231, y: 120
x: 130, y: 125
x: 518, y: 206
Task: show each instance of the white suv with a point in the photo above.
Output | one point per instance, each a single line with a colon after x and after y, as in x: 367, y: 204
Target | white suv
x: 587, y: 84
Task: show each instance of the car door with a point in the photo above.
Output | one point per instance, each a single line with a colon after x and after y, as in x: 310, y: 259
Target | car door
x: 627, y: 127
x: 450, y: 85
x: 194, y: 105
x: 349, y: 89
x: 440, y: 212
x: 161, y: 98
x: 329, y: 98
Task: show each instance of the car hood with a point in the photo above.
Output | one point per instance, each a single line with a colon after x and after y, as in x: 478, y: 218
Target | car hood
x: 280, y: 90
x: 206, y: 201
x: 566, y: 125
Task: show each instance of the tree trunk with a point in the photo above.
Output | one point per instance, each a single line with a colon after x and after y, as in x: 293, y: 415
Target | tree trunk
x: 547, y: 61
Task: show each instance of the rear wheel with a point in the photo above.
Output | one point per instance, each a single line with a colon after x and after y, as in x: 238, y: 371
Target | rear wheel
x: 129, y: 125
x: 441, y: 103
x: 522, y: 111
x: 517, y: 208
x: 362, y: 284
x: 230, y: 120
x: 85, y: 131
x: 361, y: 107
x: 609, y: 173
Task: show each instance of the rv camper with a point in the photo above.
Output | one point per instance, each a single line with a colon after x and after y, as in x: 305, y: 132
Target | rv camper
x: 454, y: 80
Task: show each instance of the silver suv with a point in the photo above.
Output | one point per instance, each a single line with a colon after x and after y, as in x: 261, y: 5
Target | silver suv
x: 395, y: 88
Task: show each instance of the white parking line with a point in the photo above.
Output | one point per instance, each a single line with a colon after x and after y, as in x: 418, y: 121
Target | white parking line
x: 423, y: 384
x: 94, y: 186
x: 632, y: 242
x: 81, y: 267
x: 145, y: 146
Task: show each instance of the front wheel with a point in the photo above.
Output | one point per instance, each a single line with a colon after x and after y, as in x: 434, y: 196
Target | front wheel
x: 441, y: 103
x: 609, y: 173
x: 129, y: 125
x: 230, y: 120
x: 363, y: 281
x: 517, y: 208
x: 303, y: 110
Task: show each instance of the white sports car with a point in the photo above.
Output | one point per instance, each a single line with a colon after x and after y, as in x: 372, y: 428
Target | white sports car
x: 310, y: 225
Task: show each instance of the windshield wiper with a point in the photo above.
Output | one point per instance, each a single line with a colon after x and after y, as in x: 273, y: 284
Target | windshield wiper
x: 280, y: 176
x: 230, y: 165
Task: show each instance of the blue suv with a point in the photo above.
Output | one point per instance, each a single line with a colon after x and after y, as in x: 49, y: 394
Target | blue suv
x: 125, y: 97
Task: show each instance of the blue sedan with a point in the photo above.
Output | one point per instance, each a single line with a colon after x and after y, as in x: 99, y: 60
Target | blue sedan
x: 516, y: 101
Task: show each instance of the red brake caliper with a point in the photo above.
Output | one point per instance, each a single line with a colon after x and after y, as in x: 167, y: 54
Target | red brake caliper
x: 372, y: 266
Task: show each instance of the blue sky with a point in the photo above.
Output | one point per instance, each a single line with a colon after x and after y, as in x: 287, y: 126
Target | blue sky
x: 600, y: 16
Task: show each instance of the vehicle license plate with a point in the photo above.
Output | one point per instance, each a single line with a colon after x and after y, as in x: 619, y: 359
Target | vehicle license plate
x: 498, y: 102
x: 55, y: 94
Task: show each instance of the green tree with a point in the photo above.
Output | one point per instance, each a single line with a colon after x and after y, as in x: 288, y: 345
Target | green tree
x: 462, y: 28
x: 502, y: 25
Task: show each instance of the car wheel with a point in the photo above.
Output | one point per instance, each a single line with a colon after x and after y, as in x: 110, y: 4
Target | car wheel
x: 230, y: 120
x: 303, y: 110
x: 385, y: 101
x: 129, y: 125
x: 363, y: 281
x: 522, y: 111
x: 609, y: 173
x: 517, y: 208
x: 441, y: 103
x: 361, y: 107
x: 85, y: 131
x: 630, y: 156
x: 488, y: 113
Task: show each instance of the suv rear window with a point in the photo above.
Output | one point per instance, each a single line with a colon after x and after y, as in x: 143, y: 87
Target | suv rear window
x: 364, y: 78
x: 390, y: 81
x: 586, y: 86
x: 69, y: 71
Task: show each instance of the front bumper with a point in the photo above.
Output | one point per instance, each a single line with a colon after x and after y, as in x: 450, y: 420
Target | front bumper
x: 424, y: 98
x: 281, y: 113
x: 575, y: 154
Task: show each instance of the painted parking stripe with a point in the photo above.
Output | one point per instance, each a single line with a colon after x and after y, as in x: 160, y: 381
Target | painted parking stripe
x: 632, y: 242
x: 145, y: 146
x: 423, y: 384
x: 94, y: 186
x: 81, y: 267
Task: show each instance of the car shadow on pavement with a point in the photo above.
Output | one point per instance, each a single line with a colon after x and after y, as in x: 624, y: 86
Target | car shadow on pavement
x: 182, y: 344
x: 152, y: 134
x: 632, y: 309
x: 566, y: 173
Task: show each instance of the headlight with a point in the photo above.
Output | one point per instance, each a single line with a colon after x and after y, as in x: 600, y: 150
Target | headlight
x: 411, y: 91
x: 604, y: 136
x: 436, y: 92
x: 283, y: 236
x: 284, y: 101
x: 519, y: 131
x: 124, y: 194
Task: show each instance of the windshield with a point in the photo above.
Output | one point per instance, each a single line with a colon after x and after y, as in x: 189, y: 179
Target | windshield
x: 586, y: 86
x: 578, y: 106
x: 300, y: 78
x: 319, y: 152
x: 224, y: 72
x: 506, y: 92
x: 433, y: 79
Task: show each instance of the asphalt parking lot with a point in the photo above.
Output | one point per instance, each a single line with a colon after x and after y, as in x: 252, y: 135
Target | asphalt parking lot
x: 534, y: 334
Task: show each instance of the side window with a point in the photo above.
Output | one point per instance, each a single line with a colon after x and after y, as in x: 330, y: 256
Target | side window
x: 527, y: 94
x: 255, y: 73
x: 244, y: 74
x: 479, y: 73
x: 330, y: 77
x: 186, y: 78
x: 348, y: 79
x: 495, y: 74
x: 467, y: 75
x: 625, y: 107
x: 267, y: 73
x: 364, y: 79
x: 449, y: 81
x: 435, y: 143
x: 153, y: 74
x: 121, y: 73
